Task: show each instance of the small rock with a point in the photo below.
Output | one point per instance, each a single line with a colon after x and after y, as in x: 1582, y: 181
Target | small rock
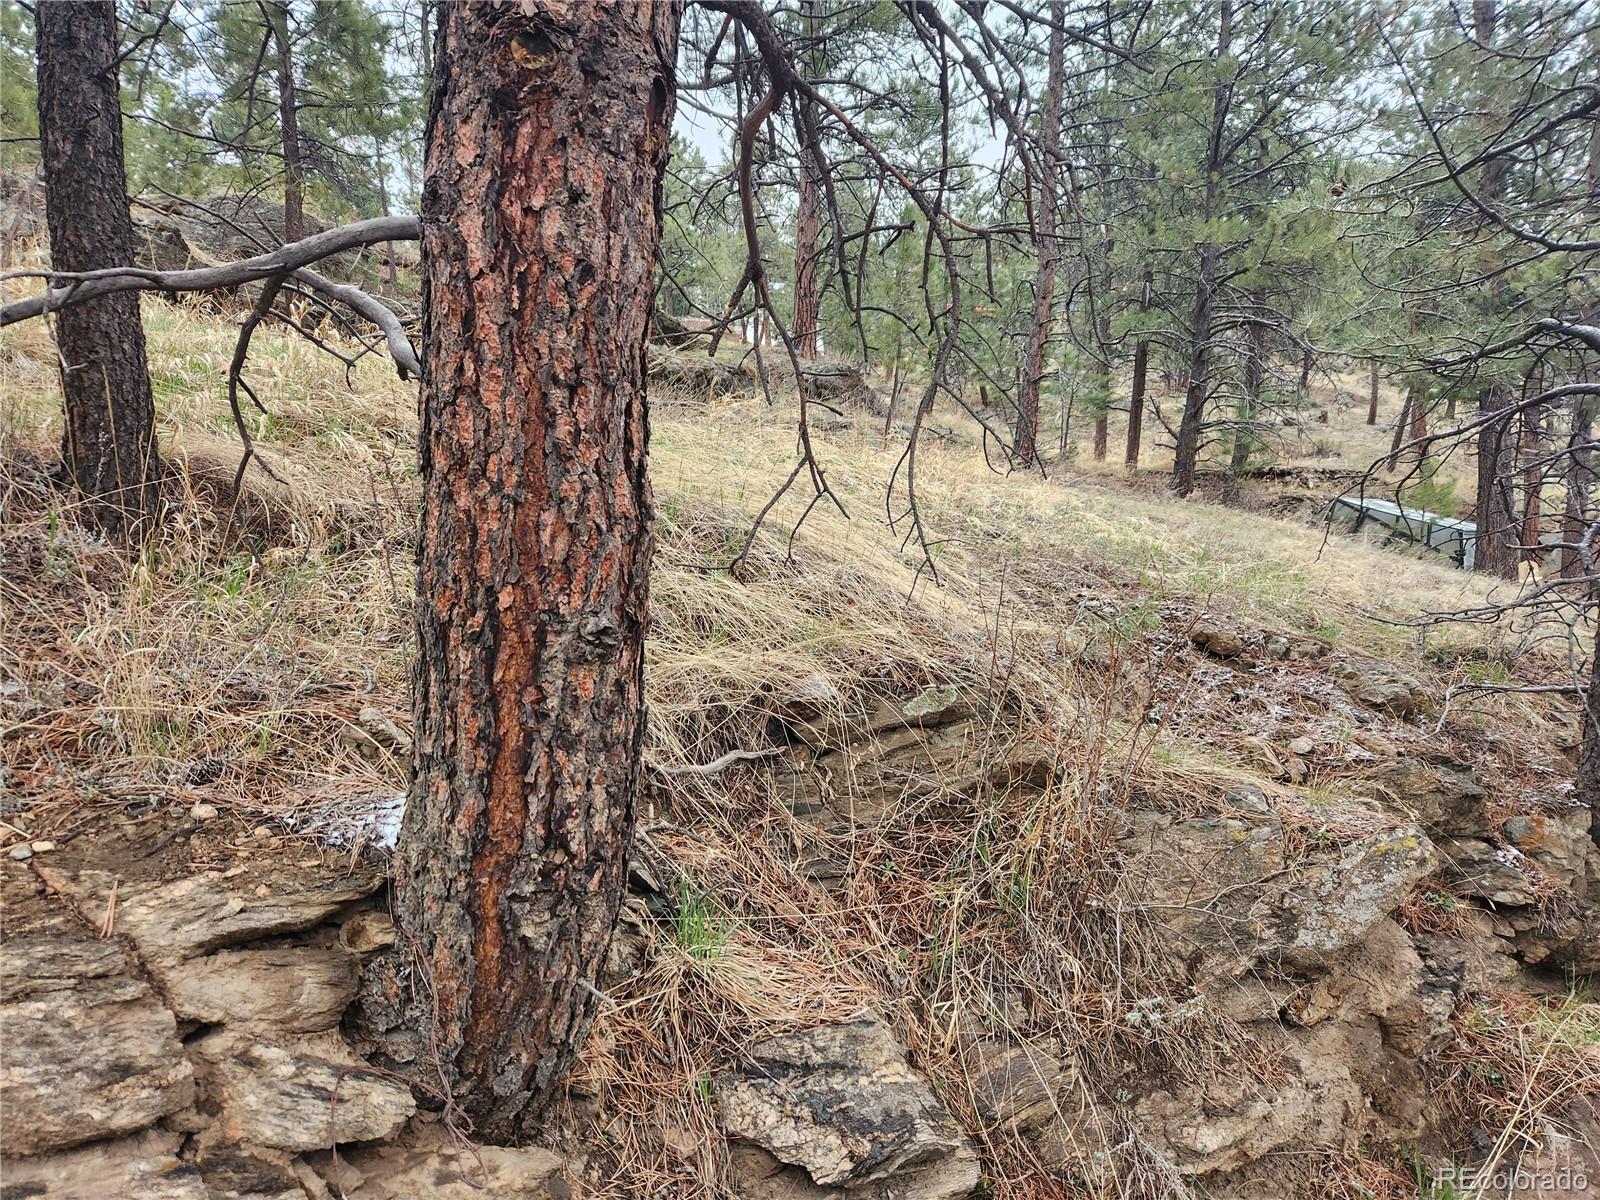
x: 1380, y: 686
x: 22, y: 852
x: 43, y: 847
x: 262, y: 833
x: 1302, y: 746
x: 201, y: 811
x: 1214, y: 639
x: 367, y: 931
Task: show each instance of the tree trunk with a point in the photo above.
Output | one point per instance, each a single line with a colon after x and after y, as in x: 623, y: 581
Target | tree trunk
x: 808, y: 222
x: 1254, y: 372
x: 1372, y: 400
x: 294, y: 218
x: 1187, y: 455
x: 1496, y: 516
x: 1025, y: 439
x: 1532, y: 440
x: 1141, y: 366
x: 108, y: 449
x: 1308, y: 359
x: 808, y: 227
x: 1401, y: 426
x: 1577, y: 508
x: 1499, y: 524
x: 546, y: 142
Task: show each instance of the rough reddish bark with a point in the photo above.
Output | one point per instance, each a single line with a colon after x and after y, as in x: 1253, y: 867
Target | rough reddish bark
x: 108, y: 450
x: 1026, y: 434
x: 547, y: 138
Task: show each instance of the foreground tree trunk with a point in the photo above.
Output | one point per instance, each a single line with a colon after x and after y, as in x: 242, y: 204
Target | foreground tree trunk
x: 1372, y: 394
x: 1026, y: 434
x: 547, y: 139
x: 108, y: 449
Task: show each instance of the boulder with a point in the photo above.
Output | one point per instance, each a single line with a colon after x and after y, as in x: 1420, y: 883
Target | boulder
x: 1014, y: 1087
x: 1222, y: 896
x: 304, y: 1094
x: 143, y: 1167
x: 1379, y: 685
x: 1493, y: 873
x: 297, y: 989
x: 90, y: 1051
x: 1215, y: 639
x: 842, y: 1103
x: 1442, y: 796
x: 1559, y: 841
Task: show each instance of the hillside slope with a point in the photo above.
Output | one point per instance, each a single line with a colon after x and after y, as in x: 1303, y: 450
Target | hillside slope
x: 1140, y: 856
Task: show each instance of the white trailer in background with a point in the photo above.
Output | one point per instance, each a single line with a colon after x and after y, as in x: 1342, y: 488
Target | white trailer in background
x: 1447, y: 535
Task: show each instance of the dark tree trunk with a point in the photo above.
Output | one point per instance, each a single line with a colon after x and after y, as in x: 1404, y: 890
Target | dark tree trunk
x: 1401, y: 426
x: 108, y: 450
x: 294, y: 183
x: 1586, y: 789
x: 1497, y: 519
x: 1578, y: 506
x: 1025, y: 439
x: 1372, y: 397
x: 1187, y: 454
x: 1308, y: 359
x: 1450, y: 407
x: 1532, y: 442
x: 1499, y: 524
x: 547, y: 138
x: 1141, y: 367
x: 1186, y: 457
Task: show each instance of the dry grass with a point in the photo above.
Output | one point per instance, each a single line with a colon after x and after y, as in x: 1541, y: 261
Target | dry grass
x: 226, y: 661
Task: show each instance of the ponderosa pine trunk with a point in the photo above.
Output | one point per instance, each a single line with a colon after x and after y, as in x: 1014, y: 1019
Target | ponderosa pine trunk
x: 1255, y: 368
x: 1372, y: 394
x: 1024, y: 442
x: 294, y: 181
x: 807, y: 229
x: 1499, y: 523
x: 546, y: 143
x: 108, y: 449
x: 1141, y: 367
x: 1186, y: 455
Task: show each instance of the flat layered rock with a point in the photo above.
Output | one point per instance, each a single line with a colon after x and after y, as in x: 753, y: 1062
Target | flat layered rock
x: 306, y: 1094
x: 90, y: 1051
x: 433, y: 1166
x: 143, y: 1167
x: 169, y: 922
x: 295, y: 989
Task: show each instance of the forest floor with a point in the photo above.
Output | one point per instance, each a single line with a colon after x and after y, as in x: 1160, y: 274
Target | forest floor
x: 238, y: 697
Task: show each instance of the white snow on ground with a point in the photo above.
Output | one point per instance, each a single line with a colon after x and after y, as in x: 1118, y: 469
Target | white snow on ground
x: 371, y: 819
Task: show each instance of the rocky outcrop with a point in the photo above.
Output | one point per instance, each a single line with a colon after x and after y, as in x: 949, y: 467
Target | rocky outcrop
x: 293, y: 989
x: 842, y: 1103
